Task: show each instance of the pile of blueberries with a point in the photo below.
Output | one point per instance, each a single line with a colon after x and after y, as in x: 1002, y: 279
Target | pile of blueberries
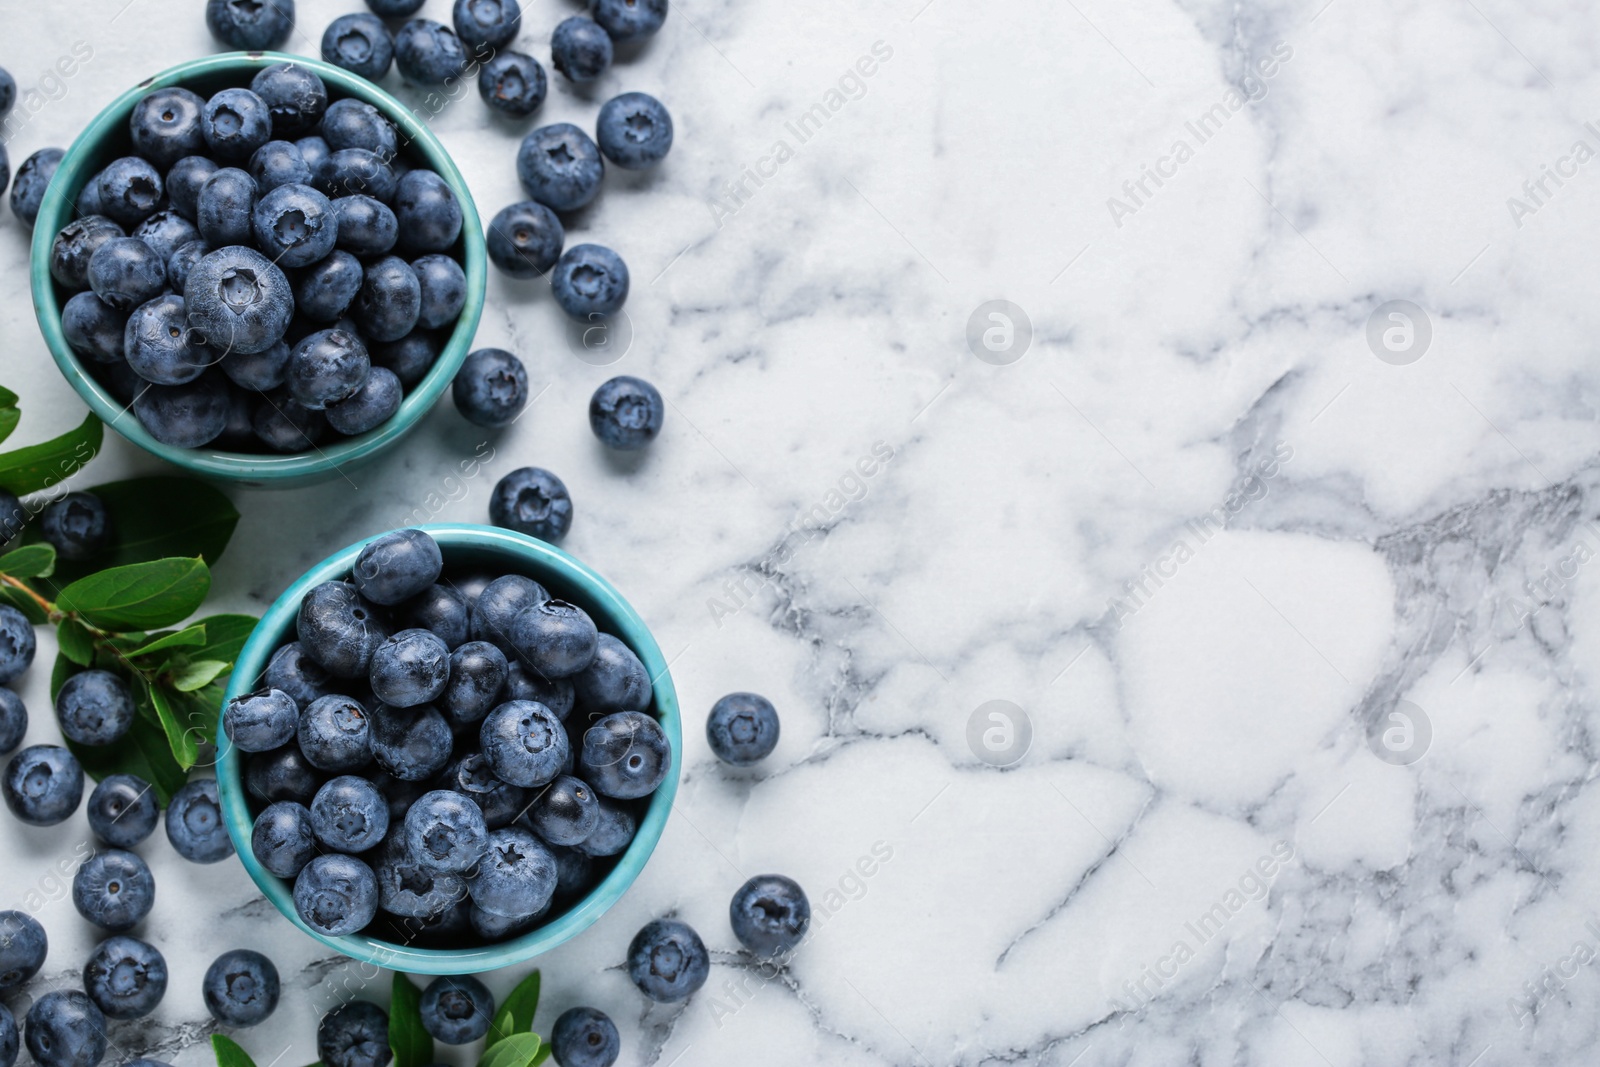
x: 266, y: 266
x: 443, y: 758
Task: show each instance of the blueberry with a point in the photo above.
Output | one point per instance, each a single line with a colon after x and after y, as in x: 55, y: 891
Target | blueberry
x: 185, y: 416
x: 348, y: 814
x: 560, y: 167
x: 472, y: 777
x: 194, y: 823
x: 125, y: 977
x: 352, y: 123
x: 278, y: 163
x: 410, y: 358
x: 555, y: 638
x: 114, y: 890
x: 589, y: 282
x: 17, y: 643
x: 348, y: 171
x: 630, y: 20
x: 335, y: 734
x: 76, y: 244
x: 165, y: 125
x: 315, y: 151
x: 183, y: 260
x: 613, y: 830
x: 43, y: 784
x: 129, y: 190
x: 282, y: 838
x: 295, y: 97
x: 397, y: 566
x: 294, y: 225
x: 125, y: 272
x: 410, y: 668
x: 634, y: 131
x: 566, y: 812
x: 184, y: 181
x: 367, y: 227
x: 428, y: 53
x: 88, y: 201
x: 477, y: 672
x: 615, y: 681
x: 524, y: 743
x: 297, y: 674
x: 580, y: 49
x: 340, y: 629
x: 14, y: 720
x: 390, y: 300
x: 533, y: 501
x: 94, y: 707
x: 282, y: 775
x: 625, y: 413
x: 360, y: 43
x: 742, y: 728
x: 240, y: 987
x: 13, y: 515
x: 443, y: 287
x: 238, y: 299
x: 412, y: 891
x: 23, y: 947
x: 668, y: 961
x: 625, y: 755
x: 326, y: 367
x: 573, y: 871
x: 250, y: 24
x: 456, y: 1009
x: 770, y: 914
x: 224, y: 205
x: 514, y: 83
x: 430, y: 218
x: 370, y: 406
x: 515, y: 877
x: 500, y: 603
x: 491, y: 388
x: 486, y: 26
x: 261, y: 721
x: 413, y: 744
x: 77, y: 525
x: 354, y: 1035
x: 442, y: 611
x: 93, y: 328
x: 524, y: 683
x: 160, y: 347
x: 585, y: 1037
x: 64, y: 1029
x: 494, y: 928
x: 525, y: 239
x: 336, y: 895
x: 236, y: 122
x: 283, y: 425
x: 325, y: 290
x: 165, y: 231
x: 8, y: 92
x: 32, y: 179
x: 445, y: 831
x: 395, y: 9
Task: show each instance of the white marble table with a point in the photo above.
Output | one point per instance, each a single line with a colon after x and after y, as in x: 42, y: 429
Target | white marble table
x: 1207, y: 853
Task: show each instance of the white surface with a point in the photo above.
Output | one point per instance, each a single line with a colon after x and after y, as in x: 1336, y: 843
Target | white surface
x: 1170, y: 355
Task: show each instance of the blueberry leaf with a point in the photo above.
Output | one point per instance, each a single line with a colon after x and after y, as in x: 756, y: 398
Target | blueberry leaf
x: 9, y: 415
x: 228, y: 1052
x: 75, y: 642
x: 198, y: 710
x: 24, y: 603
x: 28, y: 470
x: 542, y: 1055
x: 63, y: 669
x: 29, y: 561
x: 182, y: 742
x: 412, y: 1044
x: 157, y: 518
x: 189, y: 675
x: 516, y: 1011
x: 139, y: 596
x: 189, y: 637
x: 518, y: 1050
x: 225, y: 636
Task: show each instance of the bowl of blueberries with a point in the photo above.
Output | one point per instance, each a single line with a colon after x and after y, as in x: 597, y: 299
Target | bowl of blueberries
x: 261, y: 268
x: 448, y: 749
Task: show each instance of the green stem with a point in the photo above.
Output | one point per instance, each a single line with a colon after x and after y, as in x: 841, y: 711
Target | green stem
x: 51, y: 612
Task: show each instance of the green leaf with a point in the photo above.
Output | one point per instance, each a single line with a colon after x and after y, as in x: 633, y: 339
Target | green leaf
x: 199, y: 710
x: 516, y: 1010
x: 158, y: 518
x: 77, y: 644
x: 28, y: 470
x: 29, y: 561
x: 181, y: 741
x: 139, y: 596
x: 189, y: 637
x: 225, y: 635
x: 143, y: 751
x: 412, y: 1044
x: 63, y: 669
x: 196, y: 674
x: 9, y: 415
x: 229, y: 1054
x: 24, y: 603
x: 542, y: 1055
x: 518, y: 1050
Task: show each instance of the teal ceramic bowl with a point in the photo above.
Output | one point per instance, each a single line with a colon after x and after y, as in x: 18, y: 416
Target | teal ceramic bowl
x: 492, y: 549
x: 107, y: 139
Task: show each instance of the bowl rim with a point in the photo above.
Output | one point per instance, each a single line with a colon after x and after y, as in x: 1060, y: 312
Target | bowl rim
x: 532, y: 555
x: 323, y: 460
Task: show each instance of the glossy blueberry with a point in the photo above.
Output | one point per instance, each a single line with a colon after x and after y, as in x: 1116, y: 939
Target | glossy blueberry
x: 555, y: 638
x: 324, y: 290
x: 76, y: 244
x: 236, y: 122
x: 250, y: 24
x: 315, y: 151
x: 580, y: 49
x: 499, y: 604
x: 282, y: 775
x: 32, y: 179
x: 634, y: 131
x: 410, y: 358
x: 355, y: 1034
x: 397, y: 566
x: 486, y: 26
x: 352, y: 123
x: 17, y: 643
x: 428, y: 53
x: 625, y: 755
x: 165, y: 125
x: 445, y: 831
x: 94, y: 707
x: 125, y: 272
x: 413, y: 744
x: 294, y: 225
x: 491, y: 388
x: 327, y: 367
x: 585, y: 1037
x: 77, y: 525
x: 183, y: 260
x: 43, y: 784
x: 295, y: 97
x: 336, y: 895
x: 409, y: 890
x: 240, y: 987
x: 160, y: 347
x: 348, y: 814
x: 573, y: 870
x: 123, y: 810
x: 129, y: 190
x: 566, y: 812
x: 429, y: 216
x: 525, y: 683
x: 441, y: 610
x: 223, y: 207
x: 368, y: 407
x: 477, y: 673
x: 742, y: 728
x: 261, y: 721
x: 185, y: 416
x: 238, y: 299
x: 390, y: 300
x: 515, y: 877
x: 613, y: 830
x: 367, y: 227
x: 165, y: 231
x: 278, y: 163
x: 410, y: 668
x: 524, y: 743
x: 589, y: 282
x: 125, y: 977
x: 340, y: 629
x: 472, y: 776
x: 770, y: 914
x: 283, y: 425
x: 360, y: 43
x: 630, y: 20
x: 626, y: 413
x: 93, y: 328
x: 533, y: 501
x: 614, y: 681
x: 88, y: 200
x: 185, y: 180
x: 456, y: 1009
x: 282, y: 838
x: 560, y: 167
x: 194, y: 823
x: 14, y: 720
x: 524, y: 239
x: 23, y: 947
x: 348, y: 171
x: 668, y: 961
x: 293, y: 671
x: 64, y: 1029
x: 335, y: 734
x: 514, y: 83
x: 114, y: 890
x: 443, y: 288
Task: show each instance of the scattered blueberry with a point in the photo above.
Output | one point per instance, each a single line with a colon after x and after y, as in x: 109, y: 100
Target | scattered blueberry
x: 77, y: 525
x: 114, y: 890
x: 250, y: 24
x: 43, y: 784
x: 194, y: 823
x: 125, y: 977
x: 589, y: 282
x: 580, y: 49
x: 634, y: 131
x: 355, y: 1034
x: 625, y: 413
x: 94, y: 707
x: 428, y: 53
x: 240, y: 987
x: 524, y: 240
x: 742, y: 728
x: 770, y: 914
x: 360, y: 43
x: 456, y: 1009
x: 585, y: 1037
x: 63, y: 1028
x: 486, y: 26
x: 491, y: 388
x: 668, y: 961
x: 23, y: 947
x: 14, y: 720
x: 560, y: 167
x: 31, y: 181
x: 514, y: 83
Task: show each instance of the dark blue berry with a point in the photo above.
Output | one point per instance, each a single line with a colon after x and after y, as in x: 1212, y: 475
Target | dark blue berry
x: 31, y: 181
x: 560, y: 167
x: 64, y: 1029
x: 397, y: 566
x: 282, y: 838
x: 261, y: 721
x: 580, y: 49
x: 43, y: 784
x: 223, y: 207
x: 315, y: 151
x: 525, y: 683
x: 160, y: 347
x: 410, y: 890
x: 340, y: 629
x: 165, y: 125
x: 336, y: 895
x: 515, y: 877
x: 498, y: 605
x: 634, y: 131
x: 524, y: 743
x: 514, y: 83
x: 294, y: 225
x: 165, y: 231
x: 278, y: 163
x: 77, y: 525
x: 185, y: 180
x: 295, y: 96
x: 613, y: 830
x: 491, y: 388
x: 430, y: 218
x: 410, y: 668
x: 128, y: 191
x: 770, y: 914
x: 742, y: 728
x: 524, y: 239
x: 236, y: 122
x: 194, y: 823
x: 325, y: 289
x: 23, y: 947
x: 456, y: 1009
x: 625, y: 755
x: 283, y: 425
x: 360, y: 43
x: 297, y: 674
x: 477, y: 673
x: 14, y: 720
x: 395, y: 9
x: 238, y: 299
x: 368, y: 407
x: 253, y: 25
x: 442, y: 611
x: 428, y: 53
x: 585, y: 1037
x: 123, y: 810
x: 94, y: 707
x: 390, y: 301
x: 282, y: 775
x: 590, y: 282
x: 367, y: 227
x: 472, y: 777
x: 327, y: 367
x: 486, y: 26
x: 630, y: 20
x: 125, y: 977
x: 348, y: 171
x: 335, y: 734
x: 348, y: 814
x: 413, y: 744
x: 566, y: 812
x: 614, y: 681
x: 443, y: 287
x: 94, y: 328
x: 626, y: 413
x: 114, y: 890
x: 533, y: 501
x: 183, y: 260
x: 259, y: 371
x: 240, y: 987
x: 411, y: 357
x: 668, y: 961
x: 185, y: 416
x: 354, y: 1035
x: 125, y: 272
x: 555, y: 638
x: 445, y: 831
x: 76, y: 244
